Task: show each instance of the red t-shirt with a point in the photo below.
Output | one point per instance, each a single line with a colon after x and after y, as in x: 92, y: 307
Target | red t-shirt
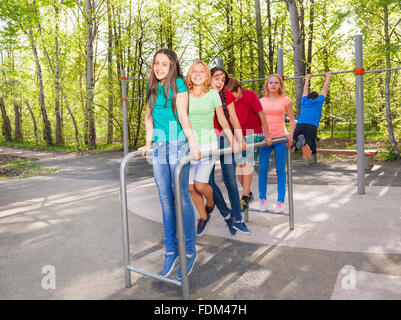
x: 246, y: 109
x: 229, y: 98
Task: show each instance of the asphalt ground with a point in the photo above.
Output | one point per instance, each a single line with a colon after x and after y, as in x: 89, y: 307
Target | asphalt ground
x: 344, y: 246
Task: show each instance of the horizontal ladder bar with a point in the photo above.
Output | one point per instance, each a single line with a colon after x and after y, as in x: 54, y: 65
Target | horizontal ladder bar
x: 323, y: 74
x: 154, y: 275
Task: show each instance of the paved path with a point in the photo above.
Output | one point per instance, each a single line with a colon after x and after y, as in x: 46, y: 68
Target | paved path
x: 344, y: 246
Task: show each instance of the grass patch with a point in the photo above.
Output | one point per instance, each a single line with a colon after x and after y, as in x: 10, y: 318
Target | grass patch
x: 345, y: 135
x: 15, y: 168
x: 34, y: 146
x: 101, y: 147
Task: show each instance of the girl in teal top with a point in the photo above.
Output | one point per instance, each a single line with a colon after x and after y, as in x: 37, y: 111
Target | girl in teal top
x: 166, y: 121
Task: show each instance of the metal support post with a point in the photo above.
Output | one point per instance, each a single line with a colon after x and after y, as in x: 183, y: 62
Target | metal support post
x: 124, y: 217
x: 360, y: 131
x: 124, y: 106
x: 290, y: 191
x: 125, y: 232
x: 280, y: 62
x: 180, y: 227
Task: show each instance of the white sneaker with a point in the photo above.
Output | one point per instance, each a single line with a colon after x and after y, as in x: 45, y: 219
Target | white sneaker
x: 279, y: 207
x: 262, y: 207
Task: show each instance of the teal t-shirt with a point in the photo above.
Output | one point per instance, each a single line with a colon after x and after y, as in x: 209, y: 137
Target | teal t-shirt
x: 201, y: 114
x: 165, y: 125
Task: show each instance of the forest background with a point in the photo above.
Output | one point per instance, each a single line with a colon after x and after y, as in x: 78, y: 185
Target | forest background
x: 61, y: 61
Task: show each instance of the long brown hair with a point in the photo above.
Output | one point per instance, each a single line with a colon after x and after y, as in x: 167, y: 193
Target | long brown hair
x: 226, y: 79
x: 222, y: 93
x: 169, y: 82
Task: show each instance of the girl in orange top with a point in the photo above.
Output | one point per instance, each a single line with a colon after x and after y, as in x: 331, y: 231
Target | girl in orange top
x: 275, y: 106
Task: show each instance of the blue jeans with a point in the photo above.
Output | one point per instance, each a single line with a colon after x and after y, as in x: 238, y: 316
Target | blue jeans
x: 280, y: 156
x: 166, y: 156
x: 228, y: 168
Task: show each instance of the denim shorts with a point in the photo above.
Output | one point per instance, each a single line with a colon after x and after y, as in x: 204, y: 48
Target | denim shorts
x: 200, y: 170
x: 249, y: 156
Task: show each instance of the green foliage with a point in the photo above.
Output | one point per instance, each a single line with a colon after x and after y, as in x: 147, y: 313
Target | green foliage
x: 33, y: 146
x: 196, y: 29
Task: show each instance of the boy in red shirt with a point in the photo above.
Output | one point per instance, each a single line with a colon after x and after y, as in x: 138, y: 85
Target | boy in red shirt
x: 254, y: 128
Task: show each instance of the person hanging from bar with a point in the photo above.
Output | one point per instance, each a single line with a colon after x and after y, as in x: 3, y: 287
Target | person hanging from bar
x: 167, y: 125
x: 275, y: 106
x: 204, y: 102
x: 254, y: 128
x: 305, y: 133
x: 232, y: 216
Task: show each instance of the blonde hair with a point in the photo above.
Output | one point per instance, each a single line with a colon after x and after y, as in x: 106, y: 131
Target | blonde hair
x: 281, y: 90
x: 188, y: 81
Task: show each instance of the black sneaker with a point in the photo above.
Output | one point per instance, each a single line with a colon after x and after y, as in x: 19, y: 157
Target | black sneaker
x: 250, y: 197
x: 200, y: 229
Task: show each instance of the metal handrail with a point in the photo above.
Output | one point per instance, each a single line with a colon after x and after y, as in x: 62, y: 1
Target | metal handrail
x: 184, y: 283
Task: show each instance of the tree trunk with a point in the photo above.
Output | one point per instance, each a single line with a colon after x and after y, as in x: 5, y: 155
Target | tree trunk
x: 35, y: 128
x: 230, y: 40
x: 59, y: 123
x: 55, y: 71
x: 299, y: 66
x: 328, y: 113
x: 6, y: 129
x: 199, y: 30
x: 47, y: 127
x: 117, y: 44
x: 17, y: 122
x: 170, y: 32
x: 328, y: 110
x: 110, y: 75
x: 90, y: 77
x: 73, y: 120
x: 241, y: 48
x: 271, y: 45
x: 199, y: 34
x: 390, y: 131
x: 140, y: 84
x: 310, y: 37
x: 253, y: 84
x: 302, y: 28
x: 83, y: 107
x: 261, y: 71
